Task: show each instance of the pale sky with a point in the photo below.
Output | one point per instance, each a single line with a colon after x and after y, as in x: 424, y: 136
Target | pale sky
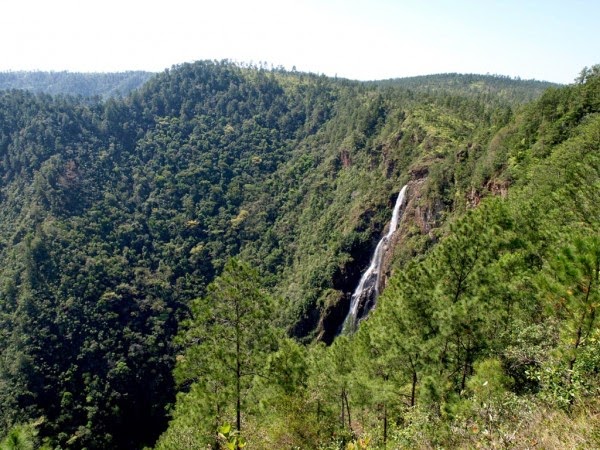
x: 359, y: 39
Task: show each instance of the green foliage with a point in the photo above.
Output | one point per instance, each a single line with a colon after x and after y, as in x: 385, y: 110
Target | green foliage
x: 24, y: 437
x: 505, y: 304
x: 117, y: 214
x: 465, y: 335
x: 18, y: 438
x: 231, y: 439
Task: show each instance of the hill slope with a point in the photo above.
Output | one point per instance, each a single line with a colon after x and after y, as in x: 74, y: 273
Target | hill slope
x: 117, y: 214
x: 487, y: 333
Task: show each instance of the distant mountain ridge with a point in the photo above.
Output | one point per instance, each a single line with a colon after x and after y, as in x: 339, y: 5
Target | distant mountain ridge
x: 120, y: 84
x: 105, y: 85
x: 514, y: 90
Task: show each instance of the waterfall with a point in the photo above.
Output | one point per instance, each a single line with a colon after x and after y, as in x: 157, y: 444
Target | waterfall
x: 365, y: 294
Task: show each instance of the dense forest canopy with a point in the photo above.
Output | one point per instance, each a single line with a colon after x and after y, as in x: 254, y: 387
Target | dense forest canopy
x: 122, y: 310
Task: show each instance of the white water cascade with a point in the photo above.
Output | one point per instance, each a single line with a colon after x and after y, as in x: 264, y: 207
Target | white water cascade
x: 365, y: 294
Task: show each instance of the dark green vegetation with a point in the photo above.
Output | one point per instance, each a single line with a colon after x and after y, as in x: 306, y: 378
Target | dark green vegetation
x: 104, y: 85
x: 119, y: 220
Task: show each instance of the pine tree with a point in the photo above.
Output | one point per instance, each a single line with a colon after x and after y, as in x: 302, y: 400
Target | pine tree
x: 228, y: 340
x: 573, y: 285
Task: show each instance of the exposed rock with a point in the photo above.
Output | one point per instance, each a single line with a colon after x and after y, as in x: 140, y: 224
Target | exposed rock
x: 345, y: 158
x: 473, y: 198
x: 419, y: 172
x: 419, y: 215
x: 495, y: 187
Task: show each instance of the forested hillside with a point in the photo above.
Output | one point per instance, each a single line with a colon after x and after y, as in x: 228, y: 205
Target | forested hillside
x: 120, y: 217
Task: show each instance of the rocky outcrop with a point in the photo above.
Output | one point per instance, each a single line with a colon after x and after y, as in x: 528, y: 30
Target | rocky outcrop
x: 494, y: 187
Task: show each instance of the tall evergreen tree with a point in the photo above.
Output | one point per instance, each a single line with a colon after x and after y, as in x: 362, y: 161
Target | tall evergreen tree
x: 227, y: 343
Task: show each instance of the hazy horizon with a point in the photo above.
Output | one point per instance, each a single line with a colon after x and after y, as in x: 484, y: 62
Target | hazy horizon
x: 268, y: 67
x: 355, y: 39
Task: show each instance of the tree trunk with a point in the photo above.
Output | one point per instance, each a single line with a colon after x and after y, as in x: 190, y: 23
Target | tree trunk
x: 346, y: 410
x: 238, y: 405
x: 385, y: 426
x: 467, y: 366
x: 343, y: 412
x: 578, y: 340
x: 413, y: 390
x: 238, y: 374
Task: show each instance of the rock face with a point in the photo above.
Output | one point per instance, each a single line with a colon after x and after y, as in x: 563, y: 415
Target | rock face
x: 419, y: 210
x: 493, y: 187
x: 419, y: 216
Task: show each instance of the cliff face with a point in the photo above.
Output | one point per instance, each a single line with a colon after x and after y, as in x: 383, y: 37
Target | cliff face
x: 419, y: 211
x: 420, y: 216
